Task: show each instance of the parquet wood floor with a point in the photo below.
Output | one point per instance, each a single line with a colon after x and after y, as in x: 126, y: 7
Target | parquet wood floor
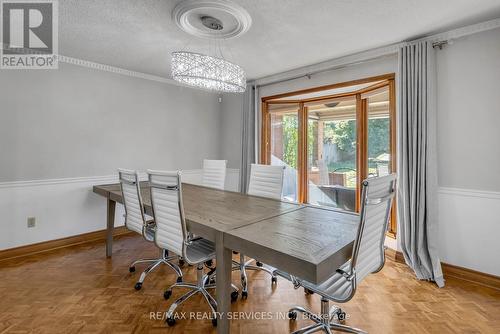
x: 78, y: 290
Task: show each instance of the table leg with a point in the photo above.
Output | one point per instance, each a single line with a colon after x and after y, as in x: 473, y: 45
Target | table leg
x: 110, y: 225
x: 223, y: 288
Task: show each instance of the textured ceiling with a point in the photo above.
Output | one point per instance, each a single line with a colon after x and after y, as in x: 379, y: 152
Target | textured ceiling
x: 285, y: 34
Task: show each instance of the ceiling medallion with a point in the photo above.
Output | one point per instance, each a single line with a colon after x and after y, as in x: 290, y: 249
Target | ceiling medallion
x: 210, y: 19
x: 234, y: 18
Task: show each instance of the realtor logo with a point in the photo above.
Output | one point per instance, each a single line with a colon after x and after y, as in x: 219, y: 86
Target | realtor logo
x: 29, y: 34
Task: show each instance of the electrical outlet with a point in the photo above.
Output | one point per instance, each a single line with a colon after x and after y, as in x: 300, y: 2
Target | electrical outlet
x: 31, y: 222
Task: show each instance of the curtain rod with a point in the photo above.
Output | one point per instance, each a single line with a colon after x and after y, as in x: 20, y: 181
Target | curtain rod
x: 328, y: 69
x: 438, y: 41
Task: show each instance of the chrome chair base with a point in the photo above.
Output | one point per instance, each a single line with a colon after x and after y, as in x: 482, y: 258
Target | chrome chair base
x: 204, y: 283
x: 326, y: 322
x: 155, y: 263
x: 243, y: 266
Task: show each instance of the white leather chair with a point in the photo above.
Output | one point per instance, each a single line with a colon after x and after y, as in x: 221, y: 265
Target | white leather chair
x: 265, y: 181
x: 135, y: 220
x: 367, y: 257
x: 214, y: 173
x: 172, y: 233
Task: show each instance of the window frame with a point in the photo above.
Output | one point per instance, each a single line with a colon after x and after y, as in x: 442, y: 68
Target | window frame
x: 381, y: 81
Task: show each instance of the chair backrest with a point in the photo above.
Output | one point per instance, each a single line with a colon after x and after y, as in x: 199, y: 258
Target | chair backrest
x: 266, y: 181
x: 132, y: 201
x: 168, y: 211
x: 376, y: 201
x: 214, y: 173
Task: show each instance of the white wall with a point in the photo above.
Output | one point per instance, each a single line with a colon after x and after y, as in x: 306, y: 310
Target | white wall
x: 231, y: 127
x: 468, y: 86
x: 62, y: 131
x: 468, y: 78
x: 76, y: 121
x: 469, y: 227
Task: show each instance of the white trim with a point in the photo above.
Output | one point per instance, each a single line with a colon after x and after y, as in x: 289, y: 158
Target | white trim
x: 103, y: 179
x: 116, y: 70
x: 44, y: 182
x: 373, y: 54
x: 462, y: 32
x: 106, y: 68
x: 470, y: 192
x: 329, y: 65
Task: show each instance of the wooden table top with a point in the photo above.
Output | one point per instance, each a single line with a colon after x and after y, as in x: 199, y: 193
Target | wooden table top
x: 311, y: 242
x: 307, y: 241
x: 219, y: 209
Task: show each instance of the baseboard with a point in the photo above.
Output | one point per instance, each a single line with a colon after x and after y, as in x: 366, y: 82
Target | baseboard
x: 457, y: 272
x: 449, y: 270
x: 470, y: 275
x: 394, y: 255
x: 59, y: 243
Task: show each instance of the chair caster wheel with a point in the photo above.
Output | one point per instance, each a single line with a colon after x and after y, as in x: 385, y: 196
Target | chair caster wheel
x: 214, y: 322
x: 179, y: 279
x: 234, y: 296
x: 340, y: 315
x: 209, y: 263
x: 131, y: 269
x: 181, y: 262
x: 259, y: 264
x: 167, y: 294
x: 170, y: 321
x: 292, y: 315
x: 138, y: 286
x: 244, y: 294
x: 308, y: 292
x: 274, y: 280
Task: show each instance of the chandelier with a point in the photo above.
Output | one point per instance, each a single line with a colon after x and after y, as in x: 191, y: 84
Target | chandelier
x: 215, y: 21
x: 207, y: 72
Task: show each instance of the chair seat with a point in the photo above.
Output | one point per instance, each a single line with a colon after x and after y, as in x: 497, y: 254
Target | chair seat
x: 336, y: 288
x: 200, y: 250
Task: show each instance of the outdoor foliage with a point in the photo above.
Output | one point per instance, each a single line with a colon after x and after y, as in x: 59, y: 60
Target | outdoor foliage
x: 290, y: 139
x: 341, y: 133
x: 378, y: 137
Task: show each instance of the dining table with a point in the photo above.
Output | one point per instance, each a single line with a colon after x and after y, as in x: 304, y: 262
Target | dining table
x: 306, y: 241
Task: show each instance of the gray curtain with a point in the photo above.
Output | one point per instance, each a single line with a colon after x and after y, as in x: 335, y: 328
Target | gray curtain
x: 417, y: 168
x: 248, y: 144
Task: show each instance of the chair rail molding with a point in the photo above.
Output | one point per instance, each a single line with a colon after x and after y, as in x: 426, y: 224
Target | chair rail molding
x: 65, y: 207
x: 44, y: 182
x: 470, y: 192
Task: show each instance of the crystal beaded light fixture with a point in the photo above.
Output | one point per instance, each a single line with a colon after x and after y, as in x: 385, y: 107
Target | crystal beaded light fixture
x: 207, y: 72
x: 214, y: 20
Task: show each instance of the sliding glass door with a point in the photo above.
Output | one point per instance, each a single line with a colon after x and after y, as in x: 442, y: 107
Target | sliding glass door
x: 332, y: 152
x: 330, y: 139
x: 379, y: 133
x: 284, y: 145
